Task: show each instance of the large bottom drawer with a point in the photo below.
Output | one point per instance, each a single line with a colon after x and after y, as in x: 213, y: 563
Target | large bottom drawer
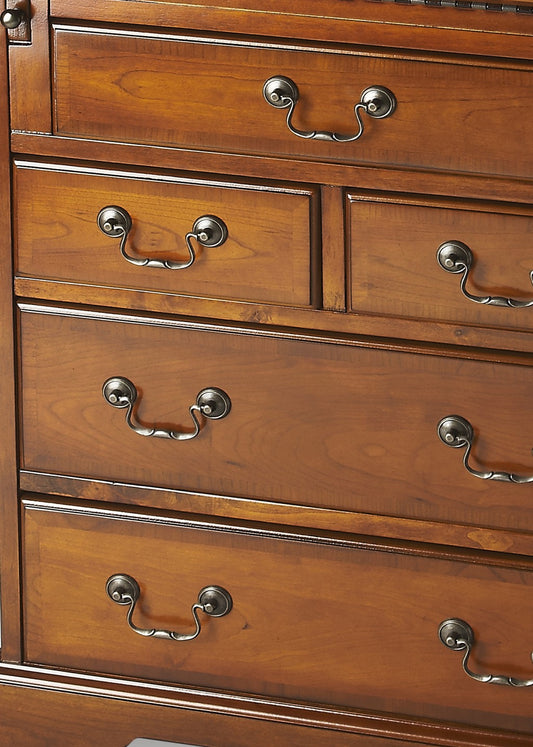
x: 315, y: 619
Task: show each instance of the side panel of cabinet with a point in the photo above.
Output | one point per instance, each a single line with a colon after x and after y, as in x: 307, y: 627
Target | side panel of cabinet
x: 9, y: 583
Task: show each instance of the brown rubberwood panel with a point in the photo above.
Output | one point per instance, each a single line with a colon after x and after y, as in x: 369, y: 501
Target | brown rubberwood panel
x: 35, y: 717
x: 29, y: 75
x: 266, y: 256
x: 290, y: 514
x: 312, y: 422
x: 204, y: 94
x: 41, y: 708
x: 357, y: 21
x: 443, y: 183
x: 9, y: 555
x: 394, y: 267
x: 314, y: 620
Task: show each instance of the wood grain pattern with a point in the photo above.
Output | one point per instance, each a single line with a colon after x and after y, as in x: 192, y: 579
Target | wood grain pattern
x: 266, y: 258
x: 394, y: 269
x: 29, y: 76
x: 353, y: 427
x: 325, y: 502
x: 120, y: 86
x: 9, y: 523
x: 37, y: 713
x: 357, y: 21
x: 456, y: 535
x: 310, y: 620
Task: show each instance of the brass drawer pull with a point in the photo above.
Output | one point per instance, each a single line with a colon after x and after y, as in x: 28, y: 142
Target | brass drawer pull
x: 212, y: 600
x: 208, y: 231
x: 457, y: 432
x: 377, y: 101
x: 457, y: 635
x: 212, y: 403
x: 456, y: 257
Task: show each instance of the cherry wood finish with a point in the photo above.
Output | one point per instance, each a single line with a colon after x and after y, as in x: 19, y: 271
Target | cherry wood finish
x: 354, y: 427
x: 297, y: 515
x: 107, y: 711
x: 57, y: 236
x: 325, y: 502
x: 357, y: 21
x: 394, y: 268
x: 9, y: 555
x: 309, y: 616
x: 201, y: 93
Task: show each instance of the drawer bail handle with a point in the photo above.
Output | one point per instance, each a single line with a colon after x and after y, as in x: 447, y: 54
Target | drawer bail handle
x: 212, y: 600
x: 456, y: 257
x: 376, y: 101
x: 457, y: 635
x: 208, y: 231
x: 457, y: 432
x: 212, y: 403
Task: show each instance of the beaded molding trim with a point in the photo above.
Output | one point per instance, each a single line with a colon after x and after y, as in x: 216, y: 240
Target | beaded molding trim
x: 465, y: 5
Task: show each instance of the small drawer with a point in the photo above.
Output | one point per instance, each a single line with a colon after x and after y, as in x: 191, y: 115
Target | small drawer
x: 297, y: 616
x: 185, y: 236
x: 454, y: 114
x: 461, y: 262
x: 307, y: 421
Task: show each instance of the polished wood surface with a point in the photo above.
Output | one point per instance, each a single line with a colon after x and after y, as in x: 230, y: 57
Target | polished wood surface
x: 143, y: 88
x: 310, y: 617
x: 394, y: 267
x: 358, y: 21
x: 345, y: 530
x: 354, y: 427
x: 266, y: 258
x: 108, y: 712
x: 9, y: 557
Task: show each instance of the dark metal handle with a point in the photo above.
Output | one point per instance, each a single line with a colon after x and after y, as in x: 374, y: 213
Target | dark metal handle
x: 212, y: 403
x: 208, y: 231
x: 376, y: 101
x: 456, y: 257
x: 212, y: 600
x: 457, y: 432
x: 12, y: 18
x: 457, y: 635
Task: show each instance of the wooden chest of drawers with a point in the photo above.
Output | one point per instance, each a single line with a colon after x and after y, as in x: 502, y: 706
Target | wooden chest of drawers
x: 267, y: 298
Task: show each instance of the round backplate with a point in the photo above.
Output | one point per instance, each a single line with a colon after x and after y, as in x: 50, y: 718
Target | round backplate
x: 210, y: 230
x: 119, y: 392
x: 122, y: 588
x: 455, y: 431
x: 454, y: 256
x: 278, y: 89
x: 379, y: 101
x: 217, y: 600
x: 113, y: 221
x: 213, y: 403
x: 456, y: 634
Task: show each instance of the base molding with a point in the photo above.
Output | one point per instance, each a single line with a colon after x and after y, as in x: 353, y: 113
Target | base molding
x: 45, y: 707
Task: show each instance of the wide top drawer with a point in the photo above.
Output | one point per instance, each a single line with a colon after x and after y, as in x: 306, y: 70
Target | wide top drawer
x: 348, y: 105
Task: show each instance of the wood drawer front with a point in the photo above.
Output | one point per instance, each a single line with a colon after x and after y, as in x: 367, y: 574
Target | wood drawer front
x: 451, y: 114
x: 394, y: 269
x: 266, y: 256
x: 312, y: 423
x: 312, y: 619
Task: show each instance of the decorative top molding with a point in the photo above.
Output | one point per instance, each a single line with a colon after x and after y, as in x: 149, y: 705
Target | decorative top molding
x: 465, y: 5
